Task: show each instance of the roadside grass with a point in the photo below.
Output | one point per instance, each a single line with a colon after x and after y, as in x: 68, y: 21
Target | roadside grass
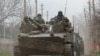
x: 95, y: 53
x: 5, y: 53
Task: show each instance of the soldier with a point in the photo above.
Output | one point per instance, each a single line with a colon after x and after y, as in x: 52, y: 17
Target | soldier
x: 39, y: 19
x: 67, y: 25
x: 26, y: 27
x: 61, y: 19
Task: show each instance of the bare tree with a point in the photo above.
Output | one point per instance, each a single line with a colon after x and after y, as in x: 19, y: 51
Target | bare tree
x: 95, y: 23
x: 10, y: 8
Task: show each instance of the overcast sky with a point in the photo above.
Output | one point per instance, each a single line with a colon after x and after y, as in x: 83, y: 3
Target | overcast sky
x: 74, y: 7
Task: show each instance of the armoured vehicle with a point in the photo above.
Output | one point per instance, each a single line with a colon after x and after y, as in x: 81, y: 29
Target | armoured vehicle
x: 52, y: 41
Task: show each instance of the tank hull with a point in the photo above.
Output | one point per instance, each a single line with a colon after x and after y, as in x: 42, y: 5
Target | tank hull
x: 44, y: 44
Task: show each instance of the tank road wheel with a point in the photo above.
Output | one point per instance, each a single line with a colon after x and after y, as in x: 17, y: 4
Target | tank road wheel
x: 71, y: 51
x: 68, y: 50
x: 78, y: 51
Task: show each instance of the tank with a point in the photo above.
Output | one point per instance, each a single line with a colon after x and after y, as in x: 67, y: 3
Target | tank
x: 53, y: 41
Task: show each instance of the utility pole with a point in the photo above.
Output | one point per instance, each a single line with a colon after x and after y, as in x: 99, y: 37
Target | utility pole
x: 73, y: 22
x: 42, y: 9
x: 24, y: 8
x: 91, y: 33
x: 4, y: 32
x: 36, y: 7
x: 94, y: 29
x: 90, y: 9
x: 47, y: 15
x: 86, y: 20
x: 73, y: 38
x: 78, y: 26
x: 65, y: 7
x: 94, y: 9
x: 85, y: 15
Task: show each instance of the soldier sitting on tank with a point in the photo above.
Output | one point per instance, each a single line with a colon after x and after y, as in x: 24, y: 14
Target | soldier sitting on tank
x: 39, y: 19
x: 61, y: 19
x: 26, y: 27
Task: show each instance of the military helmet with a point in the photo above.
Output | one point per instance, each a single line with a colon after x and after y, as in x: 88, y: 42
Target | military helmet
x: 26, y: 19
x: 60, y: 13
x: 39, y: 14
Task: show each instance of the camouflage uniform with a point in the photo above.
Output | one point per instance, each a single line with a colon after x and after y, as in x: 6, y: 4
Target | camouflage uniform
x: 39, y: 19
x: 67, y: 25
x: 26, y: 27
x: 60, y: 19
